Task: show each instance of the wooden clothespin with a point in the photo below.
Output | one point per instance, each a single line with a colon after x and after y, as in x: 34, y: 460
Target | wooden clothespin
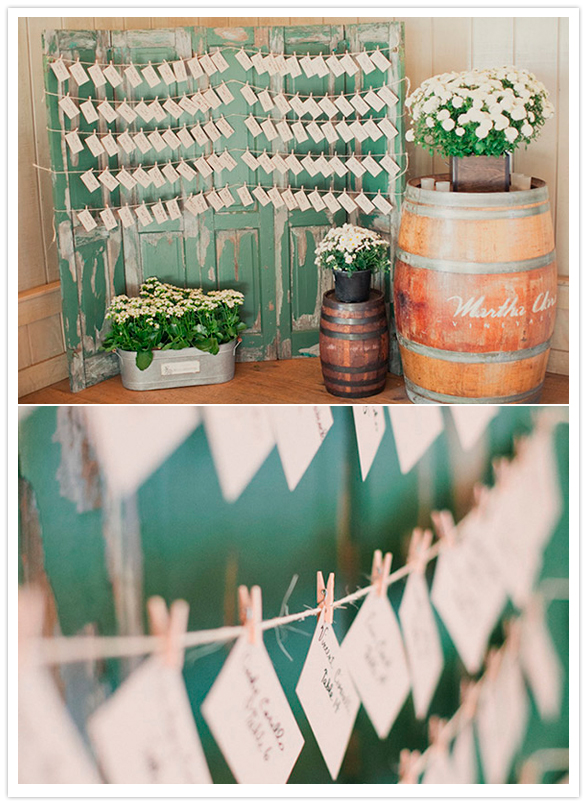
x: 251, y: 612
x: 513, y: 633
x: 436, y: 733
x: 380, y: 571
x: 31, y: 616
x: 481, y: 495
x: 325, y: 595
x: 469, y: 692
x: 170, y: 626
x: 444, y: 524
x: 408, y: 766
x: 493, y: 662
x: 501, y: 468
x: 419, y: 544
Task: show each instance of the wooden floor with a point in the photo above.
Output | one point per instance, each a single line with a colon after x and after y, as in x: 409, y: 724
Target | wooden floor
x: 268, y: 382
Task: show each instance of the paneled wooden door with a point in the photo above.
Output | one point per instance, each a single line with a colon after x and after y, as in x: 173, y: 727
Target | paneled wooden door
x: 268, y: 254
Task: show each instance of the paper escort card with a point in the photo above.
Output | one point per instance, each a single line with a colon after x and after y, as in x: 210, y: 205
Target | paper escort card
x: 422, y: 642
x: 250, y: 717
x: 375, y: 655
x: 438, y: 768
x: 73, y: 141
x: 501, y: 719
x: 328, y: 696
x: 464, y: 756
x: 299, y: 431
x: 414, y: 430
x: 369, y: 427
x: 240, y: 439
x: 50, y: 749
x: 60, y: 70
x: 471, y: 422
x: 86, y: 219
x: 540, y: 662
x: 170, y: 173
x: 468, y: 591
x: 145, y: 732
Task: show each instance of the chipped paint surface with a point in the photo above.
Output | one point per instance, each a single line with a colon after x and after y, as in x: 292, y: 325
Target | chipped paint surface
x: 232, y: 34
x: 78, y: 472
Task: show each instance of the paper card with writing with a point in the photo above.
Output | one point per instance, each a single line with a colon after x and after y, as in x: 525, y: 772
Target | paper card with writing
x: 329, y: 132
x: 275, y: 197
x: 126, y: 142
x: 96, y: 74
x: 355, y: 166
x: 388, y: 96
x: 372, y: 129
x: 438, y: 767
x: 207, y: 166
x: 323, y: 166
x: 289, y: 199
x: 188, y: 105
x: 319, y: 66
x: 364, y: 203
x: 316, y: 201
x: 157, y: 177
x: 74, y: 142
x: 423, y: 648
x: 471, y: 422
x: 293, y: 67
x: 282, y: 103
x: 173, y: 209
x: 157, y: 141
x: 264, y: 160
x: 108, y: 219
x: 179, y: 71
x: 306, y: 63
x: 88, y: 111
x: 299, y: 131
x: 184, y: 137
x: 370, y: 428
x: 364, y: 60
x: 284, y: 131
x: 195, y: 68
x: 110, y: 145
x: 143, y: 214
x: 250, y: 717
x: 126, y: 216
x: 59, y: 68
x: 259, y: 63
x: 108, y: 180
x: 315, y: 131
x: 113, y: 76
x: 208, y: 65
x: 338, y: 167
x: 142, y: 177
x: 501, y: 720
x: 382, y: 204
x: 145, y: 732
x: 227, y: 160
x: 541, y: 664
x: 219, y: 61
x: 211, y: 98
x: 464, y: 757
x: 226, y: 196
x: 468, y: 592
x: 387, y: 127
x: 279, y: 163
x: 126, y: 112
x: 248, y: 94
x: 199, y: 203
x: 50, y: 749
x: 374, y: 101
x: 214, y: 200
x: 261, y: 196
x: 243, y: 59
x: 250, y: 160
x: 157, y: 111
x: 144, y: 111
x: 245, y: 196
x: 107, y: 111
x: 344, y: 131
x: 199, y: 135
x: 142, y: 142
x: 414, y: 430
x: 171, y: 138
x: 269, y: 129
x: 388, y: 164
x: 349, y: 65
x: 224, y: 127
x: 126, y: 179
x: 358, y: 131
x: 346, y: 201
x: 298, y: 105
x: 328, y: 696
x: 312, y: 107
x: 69, y: 107
x: 302, y: 201
x: 158, y: 211
x: 86, y: 219
x: 327, y: 107
x: 151, y: 76
x: 90, y: 181
x: 380, y: 60
x: 375, y: 655
x: 133, y: 76
x: 271, y: 64
x: 166, y: 73
x: 299, y: 431
x: 335, y: 66
x: 309, y: 165
x: 265, y: 100
x: 253, y: 126
x: 224, y: 93
x: 173, y: 108
x: 294, y: 164
x: 240, y: 440
x: 371, y: 165
x: 280, y: 62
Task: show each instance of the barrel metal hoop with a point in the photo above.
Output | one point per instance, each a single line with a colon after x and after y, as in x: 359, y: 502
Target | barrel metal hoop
x: 463, y: 267
x: 357, y: 393
x: 337, y: 381
x: 330, y: 301
x: 532, y: 395
x: 472, y: 357
x: 455, y: 199
x: 340, y: 320
x: 463, y: 214
x: 353, y: 336
x: 355, y: 370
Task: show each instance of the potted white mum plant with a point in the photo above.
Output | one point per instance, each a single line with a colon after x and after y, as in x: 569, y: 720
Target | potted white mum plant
x: 352, y: 253
x: 477, y: 118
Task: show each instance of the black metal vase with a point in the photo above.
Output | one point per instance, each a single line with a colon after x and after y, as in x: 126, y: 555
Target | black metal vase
x: 352, y: 286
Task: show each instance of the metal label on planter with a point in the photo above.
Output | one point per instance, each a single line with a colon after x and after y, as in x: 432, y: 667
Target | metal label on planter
x: 180, y: 368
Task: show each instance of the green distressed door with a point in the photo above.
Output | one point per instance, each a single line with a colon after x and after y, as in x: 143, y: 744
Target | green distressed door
x: 266, y: 253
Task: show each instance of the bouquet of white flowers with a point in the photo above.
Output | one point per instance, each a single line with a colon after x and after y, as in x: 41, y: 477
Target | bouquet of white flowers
x: 478, y: 112
x: 353, y: 248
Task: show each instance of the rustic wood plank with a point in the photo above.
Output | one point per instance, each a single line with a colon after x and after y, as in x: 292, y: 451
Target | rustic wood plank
x: 492, y: 42
x: 418, y: 33
x: 39, y: 303
x: 558, y: 362
x: 43, y: 374
x: 46, y: 338
x: 265, y: 382
x: 562, y: 168
x: 137, y: 23
x: 24, y: 348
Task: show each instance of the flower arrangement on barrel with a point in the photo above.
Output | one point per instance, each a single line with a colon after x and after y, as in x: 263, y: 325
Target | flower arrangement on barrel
x: 164, y: 317
x: 484, y: 113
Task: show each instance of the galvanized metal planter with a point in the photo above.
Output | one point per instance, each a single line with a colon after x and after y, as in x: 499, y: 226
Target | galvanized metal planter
x: 173, y: 368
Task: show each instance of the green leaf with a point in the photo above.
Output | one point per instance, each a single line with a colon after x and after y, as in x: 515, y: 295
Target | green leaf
x: 144, y: 360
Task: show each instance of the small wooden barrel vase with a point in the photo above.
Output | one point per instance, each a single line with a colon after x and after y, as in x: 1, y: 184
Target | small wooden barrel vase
x: 354, y: 345
x: 475, y: 294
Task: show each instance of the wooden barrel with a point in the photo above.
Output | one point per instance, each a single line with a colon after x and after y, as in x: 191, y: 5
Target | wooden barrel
x: 354, y: 345
x: 475, y: 286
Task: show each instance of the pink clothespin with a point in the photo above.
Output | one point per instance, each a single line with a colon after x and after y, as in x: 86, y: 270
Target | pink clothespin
x: 31, y: 616
x: 251, y: 611
x: 493, y: 662
x: 325, y: 595
x: 513, y: 633
x: 408, y: 766
x: 436, y: 733
x: 169, y: 626
x: 444, y: 524
x: 380, y: 571
x: 419, y: 544
x: 469, y: 692
x: 481, y: 494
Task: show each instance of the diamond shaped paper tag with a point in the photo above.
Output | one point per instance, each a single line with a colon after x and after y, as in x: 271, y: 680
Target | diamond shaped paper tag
x: 421, y: 641
x: 375, y: 655
x: 250, y: 717
x: 464, y: 757
x: 145, y: 733
x: 328, y: 696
